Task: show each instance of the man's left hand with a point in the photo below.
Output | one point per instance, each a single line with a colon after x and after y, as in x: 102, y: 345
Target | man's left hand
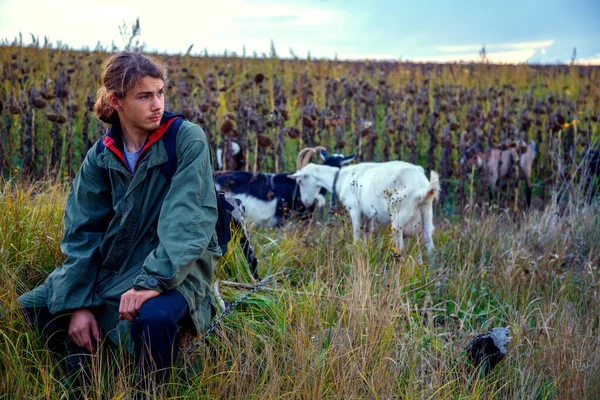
x: 131, y: 302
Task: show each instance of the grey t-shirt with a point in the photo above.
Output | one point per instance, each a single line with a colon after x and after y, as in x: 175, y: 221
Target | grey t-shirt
x: 131, y: 157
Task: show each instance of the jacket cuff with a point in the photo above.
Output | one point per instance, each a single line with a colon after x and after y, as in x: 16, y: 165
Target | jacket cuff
x: 148, y: 282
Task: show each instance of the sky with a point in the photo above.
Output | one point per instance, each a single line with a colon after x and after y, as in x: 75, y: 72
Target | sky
x: 512, y: 31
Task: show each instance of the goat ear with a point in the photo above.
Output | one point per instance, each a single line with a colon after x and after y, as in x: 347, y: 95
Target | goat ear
x: 323, y: 154
x: 295, y: 175
x: 348, y: 159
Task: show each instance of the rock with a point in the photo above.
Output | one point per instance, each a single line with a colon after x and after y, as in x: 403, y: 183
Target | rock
x: 488, y: 349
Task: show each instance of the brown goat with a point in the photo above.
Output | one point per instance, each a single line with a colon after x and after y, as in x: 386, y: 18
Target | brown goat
x: 496, y: 164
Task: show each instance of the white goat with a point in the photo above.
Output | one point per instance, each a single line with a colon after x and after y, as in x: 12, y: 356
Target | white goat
x: 393, y: 192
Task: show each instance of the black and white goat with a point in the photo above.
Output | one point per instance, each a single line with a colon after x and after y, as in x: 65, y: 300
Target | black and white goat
x: 394, y: 192
x: 270, y: 199
x: 235, y: 159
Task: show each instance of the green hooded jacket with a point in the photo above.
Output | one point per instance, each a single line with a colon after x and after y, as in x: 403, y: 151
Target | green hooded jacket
x: 125, y: 230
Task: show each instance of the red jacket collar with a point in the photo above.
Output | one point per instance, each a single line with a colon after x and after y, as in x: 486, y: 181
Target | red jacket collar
x: 114, y: 142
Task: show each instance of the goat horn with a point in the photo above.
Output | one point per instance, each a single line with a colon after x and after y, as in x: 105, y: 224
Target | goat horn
x: 304, y: 156
x: 300, y: 156
x: 319, y: 148
x: 308, y: 156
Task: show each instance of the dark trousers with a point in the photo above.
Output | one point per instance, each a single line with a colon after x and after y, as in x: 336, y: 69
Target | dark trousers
x: 155, y: 334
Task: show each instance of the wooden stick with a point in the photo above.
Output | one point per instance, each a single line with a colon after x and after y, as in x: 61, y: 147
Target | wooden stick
x: 218, y: 295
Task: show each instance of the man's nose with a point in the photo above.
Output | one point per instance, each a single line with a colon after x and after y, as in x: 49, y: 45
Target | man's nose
x: 156, y: 103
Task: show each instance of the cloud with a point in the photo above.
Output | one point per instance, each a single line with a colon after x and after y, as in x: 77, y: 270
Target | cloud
x: 594, y: 60
x: 216, y: 26
x: 527, y: 45
x: 272, y: 19
x: 362, y: 55
x: 507, y: 53
x: 498, y: 46
x: 506, y: 57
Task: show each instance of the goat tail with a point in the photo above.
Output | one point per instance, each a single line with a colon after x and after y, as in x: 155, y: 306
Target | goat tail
x: 433, y: 191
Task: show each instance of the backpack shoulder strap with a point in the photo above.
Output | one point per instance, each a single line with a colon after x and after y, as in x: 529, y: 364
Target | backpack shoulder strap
x: 100, y: 146
x: 170, y: 140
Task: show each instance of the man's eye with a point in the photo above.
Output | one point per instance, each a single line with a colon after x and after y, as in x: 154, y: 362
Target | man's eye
x: 160, y: 94
x: 144, y: 98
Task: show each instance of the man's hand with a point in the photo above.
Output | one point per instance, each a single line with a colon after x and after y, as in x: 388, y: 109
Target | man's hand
x: 83, y: 329
x: 131, y: 302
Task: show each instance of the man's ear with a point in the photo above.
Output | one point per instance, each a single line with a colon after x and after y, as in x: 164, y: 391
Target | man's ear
x: 115, y: 102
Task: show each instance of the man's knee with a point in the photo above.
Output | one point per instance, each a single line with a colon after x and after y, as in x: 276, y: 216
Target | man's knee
x: 165, y: 310
x: 155, y: 320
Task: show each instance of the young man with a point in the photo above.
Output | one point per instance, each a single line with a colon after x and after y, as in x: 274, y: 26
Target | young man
x: 140, y: 243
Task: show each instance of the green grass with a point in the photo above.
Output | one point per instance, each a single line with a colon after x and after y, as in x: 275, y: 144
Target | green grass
x: 339, y: 320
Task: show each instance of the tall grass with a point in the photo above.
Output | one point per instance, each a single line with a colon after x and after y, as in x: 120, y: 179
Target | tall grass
x: 339, y: 320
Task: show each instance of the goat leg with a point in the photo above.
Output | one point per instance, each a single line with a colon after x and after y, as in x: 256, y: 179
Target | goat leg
x: 528, y: 195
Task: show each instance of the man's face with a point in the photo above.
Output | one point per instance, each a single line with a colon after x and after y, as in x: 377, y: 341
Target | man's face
x: 143, y: 106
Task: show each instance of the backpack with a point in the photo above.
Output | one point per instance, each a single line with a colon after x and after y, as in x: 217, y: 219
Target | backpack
x: 228, y: 213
